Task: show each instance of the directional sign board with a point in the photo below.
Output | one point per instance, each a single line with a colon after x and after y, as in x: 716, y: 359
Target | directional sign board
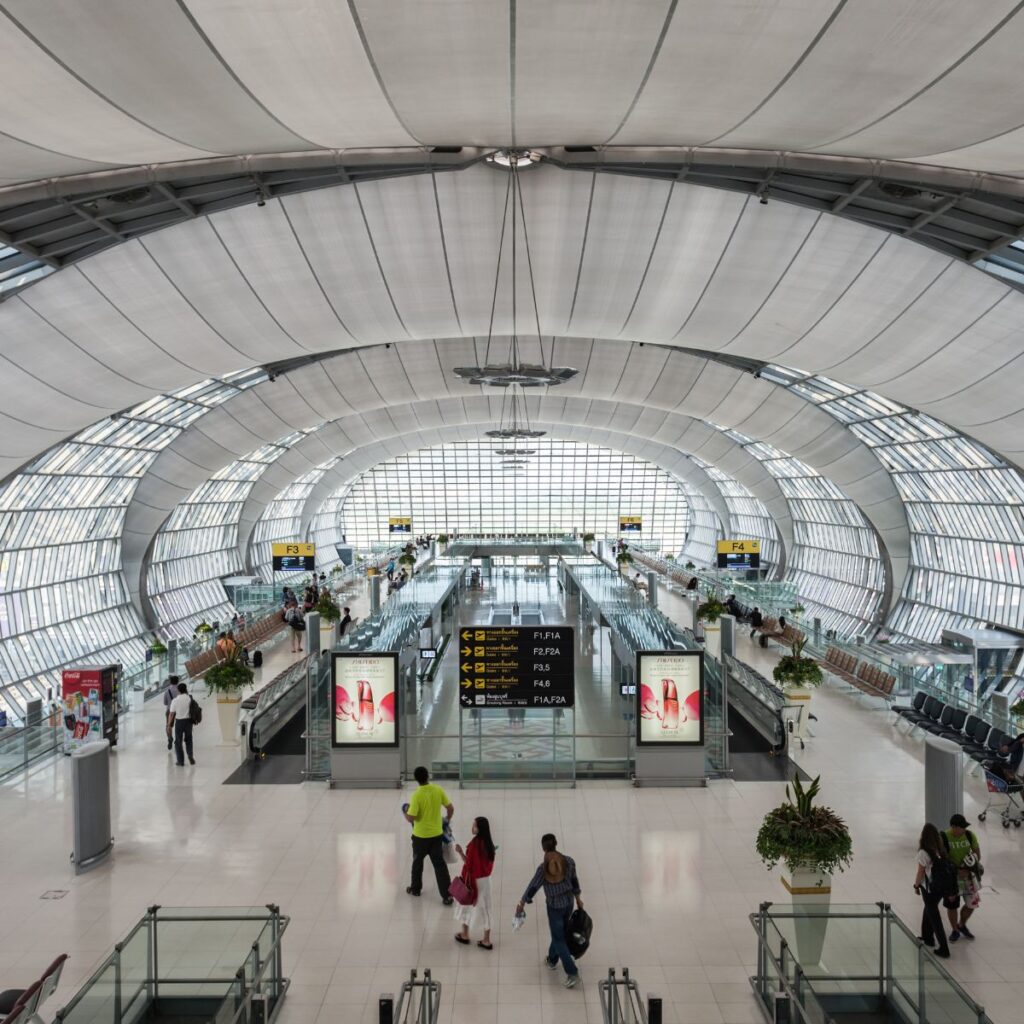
x: 516, y: 667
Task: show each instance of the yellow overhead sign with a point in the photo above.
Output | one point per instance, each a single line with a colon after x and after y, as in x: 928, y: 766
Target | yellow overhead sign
x: 739, y: 547
x: 292, y: 550
x: 400, y: 524
x: 629, y: 524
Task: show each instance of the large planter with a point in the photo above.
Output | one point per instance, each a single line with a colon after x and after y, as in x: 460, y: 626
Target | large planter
x: 811, y: 893
x: 800, y: 711
x: 227, y: 716
x: 713, y: 638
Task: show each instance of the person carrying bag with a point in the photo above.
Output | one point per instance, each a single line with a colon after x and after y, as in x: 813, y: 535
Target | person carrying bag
x: 471, y: 890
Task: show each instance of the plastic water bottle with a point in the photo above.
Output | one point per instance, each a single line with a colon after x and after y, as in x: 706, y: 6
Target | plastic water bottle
x: 518, y: 921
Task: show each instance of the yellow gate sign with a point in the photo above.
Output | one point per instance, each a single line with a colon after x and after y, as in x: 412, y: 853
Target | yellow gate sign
x: 739, y: 547
x: 299, y: 550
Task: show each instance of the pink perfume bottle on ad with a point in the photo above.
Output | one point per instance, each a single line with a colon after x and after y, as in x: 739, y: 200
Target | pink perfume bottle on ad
x: 364, y: 722
x: 670, y: 705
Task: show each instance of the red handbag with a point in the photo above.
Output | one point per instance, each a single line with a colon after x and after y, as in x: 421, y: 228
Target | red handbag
x: 462, y: 892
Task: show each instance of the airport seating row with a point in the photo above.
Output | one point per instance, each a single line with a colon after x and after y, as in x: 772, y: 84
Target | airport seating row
x: 786, y: 637
x: 19, y: 1006
x: 867, y: 678
x: 979, y: 740
x: 250, y: 637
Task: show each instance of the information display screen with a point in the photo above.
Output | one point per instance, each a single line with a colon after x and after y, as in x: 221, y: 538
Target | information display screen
x: 400, y: 524
x: 365, y: 700
x: 516, y: 667
x: 293, y: 557
x: 739, y: 554
x: 670, y: 698
x: 630, y: 524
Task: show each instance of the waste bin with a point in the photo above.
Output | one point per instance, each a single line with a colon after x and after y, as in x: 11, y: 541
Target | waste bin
x: 90, y: 796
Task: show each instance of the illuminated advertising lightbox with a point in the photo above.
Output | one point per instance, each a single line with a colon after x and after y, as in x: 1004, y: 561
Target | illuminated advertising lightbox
x: 670, y: 698
x: 365, y: 700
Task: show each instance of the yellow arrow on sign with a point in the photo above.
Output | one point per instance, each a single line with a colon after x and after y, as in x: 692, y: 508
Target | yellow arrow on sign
x: 466, y: 651
x: 466, y: 668
x: 467, y: 634
x: 466, y: 683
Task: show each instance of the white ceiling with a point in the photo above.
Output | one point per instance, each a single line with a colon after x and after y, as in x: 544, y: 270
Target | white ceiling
x: 93, y: 84
x: 625, y: 260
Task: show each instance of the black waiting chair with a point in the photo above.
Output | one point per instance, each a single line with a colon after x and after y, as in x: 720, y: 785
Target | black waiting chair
x: 915, y: 710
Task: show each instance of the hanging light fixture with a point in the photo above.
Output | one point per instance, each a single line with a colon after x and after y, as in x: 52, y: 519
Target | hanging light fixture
x: 514, y: 371
x: 511, y: 425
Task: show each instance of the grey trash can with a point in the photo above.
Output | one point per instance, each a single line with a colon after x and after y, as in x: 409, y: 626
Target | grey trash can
x: 90, y: 796
x: 943, y: 781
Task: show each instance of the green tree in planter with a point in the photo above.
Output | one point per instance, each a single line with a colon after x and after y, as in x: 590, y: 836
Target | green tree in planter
x: 228, y: 678
x: 804, y: 836
x: 796, y: 670
x: 409, y: 560
x: 588, y: 538
x: 327, y: 608
x: 442, y: 538
x: 710, y: 610
x: 158, y: 647
x: 689, y: 567
x: 623, y: 558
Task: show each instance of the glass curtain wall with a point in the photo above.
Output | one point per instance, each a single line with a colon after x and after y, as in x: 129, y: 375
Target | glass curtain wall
x: 282, y: 519
x: 462, y: 487
x: 198, y: 545
x: 325, y: 531
x: 747, y: 514
x: 64, y: 594
x: 701, y: 545
x: 964, y: 506
x: 836, y: 562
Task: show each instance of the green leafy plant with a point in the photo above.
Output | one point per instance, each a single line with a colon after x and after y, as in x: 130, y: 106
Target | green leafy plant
x: 1018, y: 708
x: 588, y: 538
x: 623, y: 558
x: 804, y: 836
x: 158, y: 647
x: 204, y: 627
x: 327, y: 608
x: 670, y: 558
x: 407, y: 559
x: 337, y: 570
x: 689, y: 566
x: 797, y: 609
x: 442, y: 538
x: 229, y: 677
x: 710, y: 610
x: 796, y: 670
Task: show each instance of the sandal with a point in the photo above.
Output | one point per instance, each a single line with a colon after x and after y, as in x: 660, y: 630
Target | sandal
x: 485, y: 945
x: 463, y: 942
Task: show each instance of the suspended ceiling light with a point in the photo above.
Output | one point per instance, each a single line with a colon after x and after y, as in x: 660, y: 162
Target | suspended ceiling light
x: 512, y: 370
x: 519, y: 158
x: 511, y: 425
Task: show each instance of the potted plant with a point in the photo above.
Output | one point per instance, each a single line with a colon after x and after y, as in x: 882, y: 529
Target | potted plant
x: 813, y: 843
x: 442, y: 538
x: 795, y: 672
x: 623, y: 560
x: 204, y: 628
x: 1018, y: 712
x: 670, y: 558
x: 797, y: 610
x: 408, y: 559
x: 227, y: 680
x: 588, y: 539
x: 689, y: 567
x: 327, y: 608
x: 158, y: 647
x: 710, y: 610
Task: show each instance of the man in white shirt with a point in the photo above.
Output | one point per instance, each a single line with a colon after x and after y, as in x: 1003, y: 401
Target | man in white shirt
x: 181, y: 721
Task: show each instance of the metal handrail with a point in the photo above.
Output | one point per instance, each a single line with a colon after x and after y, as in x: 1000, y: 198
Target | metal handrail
x: 427, y: 1010
x: 621, y: 1002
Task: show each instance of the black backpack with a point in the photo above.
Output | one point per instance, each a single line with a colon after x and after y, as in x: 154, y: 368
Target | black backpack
x: 195, y: 712
x: 578, y: 933
x: 944, y: 878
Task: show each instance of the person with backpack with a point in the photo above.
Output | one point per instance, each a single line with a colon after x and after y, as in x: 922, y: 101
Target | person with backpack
x: 296, y: 621
x: 557, y: 874
x: 169, y: 694
x: 184, y: 713
x: 963, y: 850
x: 936, y: 879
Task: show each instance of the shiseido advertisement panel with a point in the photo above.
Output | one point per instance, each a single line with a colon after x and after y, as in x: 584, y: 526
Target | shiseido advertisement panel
x: 365, y: 700
x: 670, y: 698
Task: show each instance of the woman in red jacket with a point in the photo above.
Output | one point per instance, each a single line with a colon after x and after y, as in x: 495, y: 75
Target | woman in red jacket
x: 476, y: 873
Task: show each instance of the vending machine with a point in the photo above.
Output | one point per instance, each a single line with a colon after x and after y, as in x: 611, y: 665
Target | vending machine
x: 89, y: 704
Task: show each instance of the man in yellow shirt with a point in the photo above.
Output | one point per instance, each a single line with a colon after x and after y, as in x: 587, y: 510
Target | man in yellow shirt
x: 424, y: 811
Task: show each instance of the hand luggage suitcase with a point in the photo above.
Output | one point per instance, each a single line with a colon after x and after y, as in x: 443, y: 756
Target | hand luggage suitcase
x: 257, y: 659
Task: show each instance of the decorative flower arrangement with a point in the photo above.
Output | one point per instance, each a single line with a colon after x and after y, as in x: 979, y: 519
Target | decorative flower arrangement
x: 710, y: 610
x: 327, y: 608
x: 227, y: 678
x: 805, y: 837
x: 796, y: 670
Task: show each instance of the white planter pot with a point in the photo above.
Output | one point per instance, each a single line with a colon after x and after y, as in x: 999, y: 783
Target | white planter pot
x: 800, y: 712
x: 713, y: 639
x: 227, y: 715
x: 811, y: 893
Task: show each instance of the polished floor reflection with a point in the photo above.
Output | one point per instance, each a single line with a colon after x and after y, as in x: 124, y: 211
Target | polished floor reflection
x: 668, y: 875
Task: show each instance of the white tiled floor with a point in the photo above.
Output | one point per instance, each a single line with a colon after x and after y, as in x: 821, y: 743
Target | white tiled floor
x: 668, y: 875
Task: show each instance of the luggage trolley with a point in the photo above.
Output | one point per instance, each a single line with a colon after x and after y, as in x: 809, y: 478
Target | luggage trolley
x: 1012, y: 810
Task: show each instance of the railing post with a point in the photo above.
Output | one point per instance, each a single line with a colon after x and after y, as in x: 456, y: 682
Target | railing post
x: 154, y: 951
x: 117, y: 984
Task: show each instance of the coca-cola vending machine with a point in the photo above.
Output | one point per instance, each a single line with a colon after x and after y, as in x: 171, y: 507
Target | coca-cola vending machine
x: 89, y: 704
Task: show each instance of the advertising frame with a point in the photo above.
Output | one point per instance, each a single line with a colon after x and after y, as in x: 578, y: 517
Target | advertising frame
x: 656, y: 744
x: 338, y: 657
